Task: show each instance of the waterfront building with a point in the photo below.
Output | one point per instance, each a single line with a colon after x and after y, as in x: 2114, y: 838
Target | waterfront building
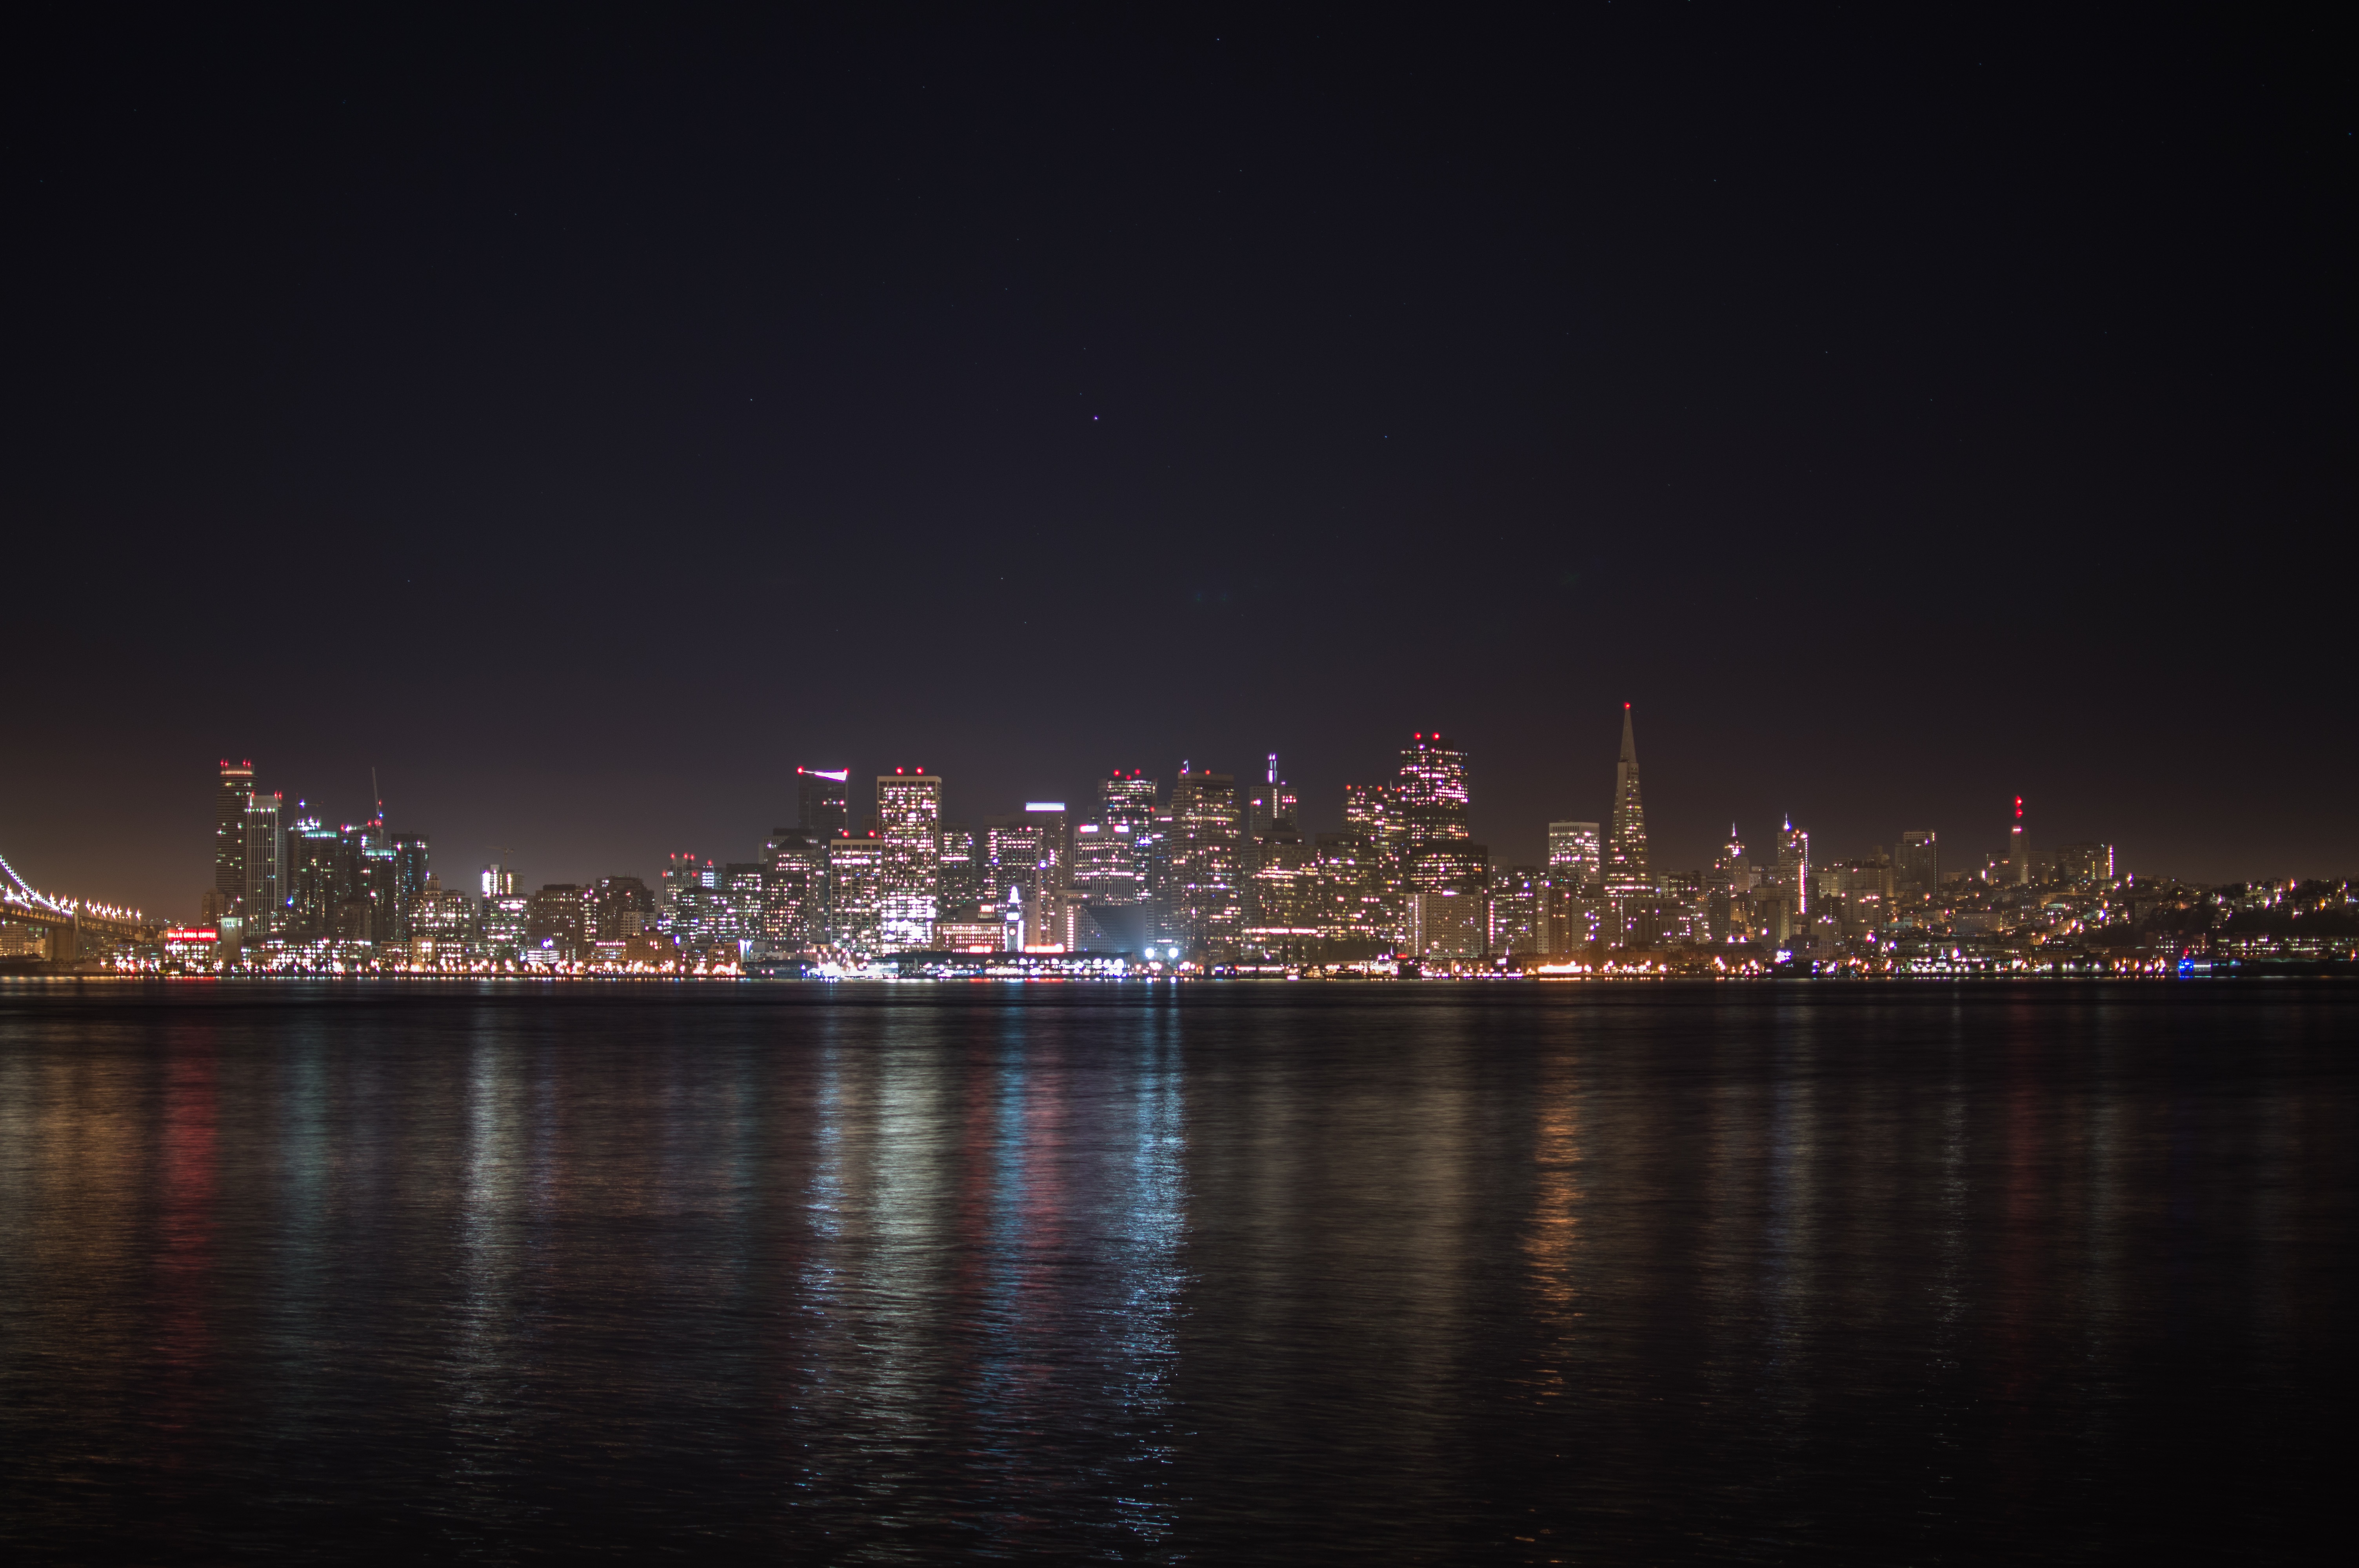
x: 908, y: 817
x: 1287, y: 923
x: 1373, y: 812
x: 505, y: 916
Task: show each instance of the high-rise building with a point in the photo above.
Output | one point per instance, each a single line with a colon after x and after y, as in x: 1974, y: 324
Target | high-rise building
x: 230, y: 793
x: 1206, y: 914
x: 2018, y: 849
x: 1519, y: 910
x: 1433, y: 799
x: 1106, y: 866
x: 855, y: 892
x: 961, y: 871
x: 1126, y: 797
x: 794, y: 893
x: 620, y: 908
x: 909, y: 819
x: 323, y: 879
x: 1055, y: 841
x: 409, y: 869
x: 1917, y: 864
x: 1627, y: 884
x: 264, y: 860
x: 1374, y: 813
x: 1576, y: 855
x: 1791, y: 877
x: 1012, y: 856
x: 821, y: 801
x: 2082, y: 862
x: 556, y: 923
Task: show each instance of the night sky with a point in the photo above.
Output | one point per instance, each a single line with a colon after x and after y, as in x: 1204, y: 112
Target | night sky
x: 583, y: 424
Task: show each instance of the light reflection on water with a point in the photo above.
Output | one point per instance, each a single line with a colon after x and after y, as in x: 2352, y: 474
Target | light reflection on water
x: 1399, y: 1273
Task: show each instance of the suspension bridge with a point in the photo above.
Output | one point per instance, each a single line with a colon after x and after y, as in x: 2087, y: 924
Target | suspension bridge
x: 74, y: 929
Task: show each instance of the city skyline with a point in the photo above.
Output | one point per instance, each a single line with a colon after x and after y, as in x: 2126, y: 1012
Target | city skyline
x: 1690, y: 845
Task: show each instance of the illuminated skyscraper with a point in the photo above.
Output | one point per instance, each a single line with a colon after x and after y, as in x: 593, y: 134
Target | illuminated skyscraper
x: 820, y: 801
x: 1126, y: 797
x: 1106, y: 863
x: 1440, y: 853
x: 1626, y: 879
x: 1372, y: 813
x: 265, y: 866
x: 908, y: 820
x: 2018, y: 849
x: 1011, y: 858
x: 230, y: 793
x: 855, y: 895
x: 794, y: 893
x: 1576, y: 855
x: 1206, y: 914
x: 961, y: 877
x: 1056, y: 838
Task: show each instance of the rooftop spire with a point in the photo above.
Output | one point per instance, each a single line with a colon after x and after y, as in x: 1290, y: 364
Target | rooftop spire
x: 1629, y: 738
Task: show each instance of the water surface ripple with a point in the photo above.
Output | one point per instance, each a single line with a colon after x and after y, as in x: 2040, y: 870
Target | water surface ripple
x: 1255, y: 1272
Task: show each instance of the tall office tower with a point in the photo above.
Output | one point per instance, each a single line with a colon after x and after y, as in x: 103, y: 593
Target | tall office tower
x: 1126, y: 797
x: 264, y: 864
x: 1917, y: 864
x: 2018, y: 849
x: 1106, y: 866
x: 1271, y: 804
x: 1206, y: 915
x: 1011, y: 858
x: 683, y: 885
x: 1792, y: 877
x: 409, y: 867
x: 1372, y: 812
x: 794, y: 893
x: 557, y: 922
x: 1728, y: 894
x: 237, y: 782
x: 855, y: 892
x: 1576, y: 855
x: 737, y: 896
x: 820, y: 798
x: 504, y: 918
x: 321, y: 879
x: 909, y: 820
x: 960, y: 874
x: 1283, y: 916
x: 1056, y: 842
x: 620, y: 908
x: 498, y: 880
x: 1519, y: 910
x: 1627, y: 883
x: 1432, y: 792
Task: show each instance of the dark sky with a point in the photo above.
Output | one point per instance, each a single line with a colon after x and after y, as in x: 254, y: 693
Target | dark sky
x: 584, y: 423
